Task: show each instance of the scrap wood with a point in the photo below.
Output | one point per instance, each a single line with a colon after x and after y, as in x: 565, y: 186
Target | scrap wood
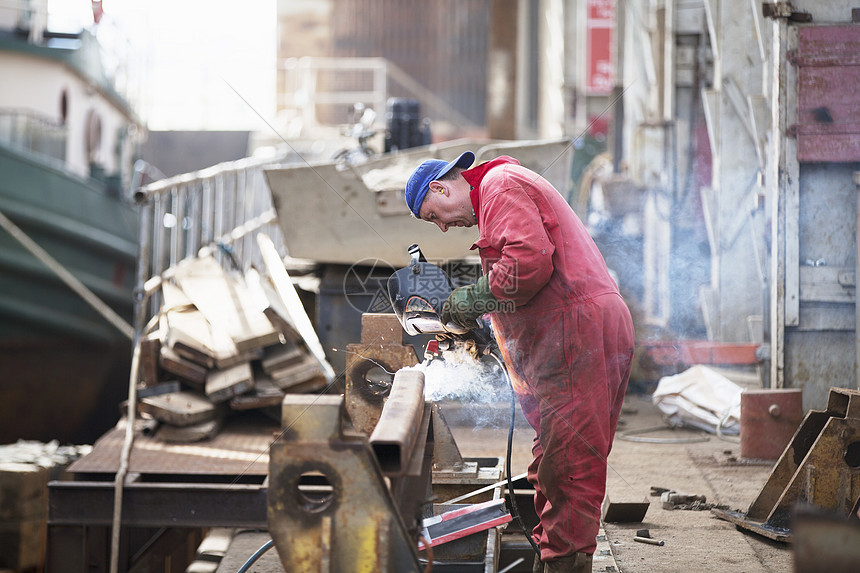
x: 297, y: 373
x: 264, y: 394
x: 221, y: 385
x: 270, y: 303
x: 196, y: 355
x: 242, y: 357
x: 181, y: 408
x: 281, y: 356
x: 157, y: 389
x: 191, y: 433
x: 289, y: 299
x: 311, y: 385
x: 226, y: 303
x: 187, y: 331
x: 184, y: 328
x: 150, y: 349
x: 190, y: 372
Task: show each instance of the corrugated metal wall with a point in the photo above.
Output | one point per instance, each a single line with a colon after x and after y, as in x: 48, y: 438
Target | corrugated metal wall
x: 441, y: 44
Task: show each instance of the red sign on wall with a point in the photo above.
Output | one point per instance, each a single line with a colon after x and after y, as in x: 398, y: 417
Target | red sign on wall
x: 600, y: 75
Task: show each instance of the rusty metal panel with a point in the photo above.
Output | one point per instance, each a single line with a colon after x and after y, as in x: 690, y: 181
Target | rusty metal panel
x: 348, y: 520
x: 397, y: 431
x: 769, y: 418
x: 820, y: 467
x: 828, y: 110
x: 88, y: 504
x: 381, y: 352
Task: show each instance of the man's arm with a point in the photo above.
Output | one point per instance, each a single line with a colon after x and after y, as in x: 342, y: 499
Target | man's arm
x: 513, y: 225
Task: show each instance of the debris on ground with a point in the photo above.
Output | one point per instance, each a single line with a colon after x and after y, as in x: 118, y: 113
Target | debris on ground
x: 644, y: 536
x: 673, y: 500
x: 624, y: 512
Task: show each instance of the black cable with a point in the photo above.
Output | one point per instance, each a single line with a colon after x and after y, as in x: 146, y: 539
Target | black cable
x: 514, y: 509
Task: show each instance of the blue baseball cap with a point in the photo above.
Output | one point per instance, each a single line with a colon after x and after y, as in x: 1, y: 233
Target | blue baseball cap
x: 431, y: 170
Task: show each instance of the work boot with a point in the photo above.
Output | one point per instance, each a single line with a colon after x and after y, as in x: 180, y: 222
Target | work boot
x: 537, y: 566
x: 576, y: 563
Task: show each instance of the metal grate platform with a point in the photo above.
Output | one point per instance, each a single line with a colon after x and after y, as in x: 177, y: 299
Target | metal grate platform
x: 240, y: 449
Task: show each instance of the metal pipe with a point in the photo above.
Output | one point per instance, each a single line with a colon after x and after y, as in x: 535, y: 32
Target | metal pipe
x: 483, y: 489
x: 394, y: 437
x: 856, y: 282
x: 163, y: 186
x: 122, y: 472
x: 647, y: 540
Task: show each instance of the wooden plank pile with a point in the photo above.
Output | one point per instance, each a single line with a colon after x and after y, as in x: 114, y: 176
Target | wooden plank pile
x: 219, y: 346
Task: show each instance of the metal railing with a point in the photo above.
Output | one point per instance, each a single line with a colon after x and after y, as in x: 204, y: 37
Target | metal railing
x: 321, y: 91
x: 33, y: 132
x: 215, y: 211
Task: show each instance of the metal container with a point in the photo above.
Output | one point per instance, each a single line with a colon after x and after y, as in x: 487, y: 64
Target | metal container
x: 769, y: 418
x: 331, y: 213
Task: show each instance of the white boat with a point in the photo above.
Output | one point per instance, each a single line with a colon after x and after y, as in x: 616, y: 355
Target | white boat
x: 68, y: 139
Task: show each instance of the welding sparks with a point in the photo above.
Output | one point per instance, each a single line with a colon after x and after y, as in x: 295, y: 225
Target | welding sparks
x: 363, y: 358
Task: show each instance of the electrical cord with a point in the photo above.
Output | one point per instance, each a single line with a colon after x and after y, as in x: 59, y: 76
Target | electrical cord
x: 514, y: 509
x: 629, y: 436
x: 257, y: 554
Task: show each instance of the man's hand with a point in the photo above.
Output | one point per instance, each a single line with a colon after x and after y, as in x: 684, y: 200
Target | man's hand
x: 467, y: 303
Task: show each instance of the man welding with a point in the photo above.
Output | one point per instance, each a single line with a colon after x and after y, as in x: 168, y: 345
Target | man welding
x: 568, y: 341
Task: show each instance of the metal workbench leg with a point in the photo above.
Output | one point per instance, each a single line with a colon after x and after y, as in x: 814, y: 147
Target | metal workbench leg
x: 77, y: 548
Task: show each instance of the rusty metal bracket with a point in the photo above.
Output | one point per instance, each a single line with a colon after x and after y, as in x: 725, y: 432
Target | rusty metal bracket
x: 329, y: 506
x: 397, y: 434
x: 819, y: 467
x: 380, y: 352
x: 351, y: 477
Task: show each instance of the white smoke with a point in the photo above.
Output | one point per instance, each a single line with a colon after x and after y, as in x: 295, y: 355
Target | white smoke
x: 476, y: 387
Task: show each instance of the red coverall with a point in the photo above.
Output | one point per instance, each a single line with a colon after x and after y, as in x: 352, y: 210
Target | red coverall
x: 569, y: 342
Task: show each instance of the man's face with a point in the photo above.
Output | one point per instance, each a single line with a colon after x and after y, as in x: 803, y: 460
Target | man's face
x: 447, y: 205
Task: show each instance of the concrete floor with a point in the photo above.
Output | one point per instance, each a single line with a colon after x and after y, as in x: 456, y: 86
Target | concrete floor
x: 694, y: 540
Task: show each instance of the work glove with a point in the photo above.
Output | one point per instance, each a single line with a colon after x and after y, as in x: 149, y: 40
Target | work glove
x: 466, y: 303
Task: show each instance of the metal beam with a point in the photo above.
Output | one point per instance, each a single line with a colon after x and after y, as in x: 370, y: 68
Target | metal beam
x: 159, y: 504
x: 856, y: 282
x: 396, y: 433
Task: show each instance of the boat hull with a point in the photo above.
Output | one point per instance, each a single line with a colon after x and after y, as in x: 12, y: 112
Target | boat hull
x: 61, y: 359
